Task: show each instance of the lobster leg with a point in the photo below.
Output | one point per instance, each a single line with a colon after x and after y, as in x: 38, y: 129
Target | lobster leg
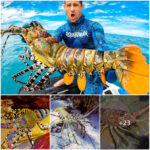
x: 22, y: 57
x: 27, y: 86
x: 28, y: 132
x: 41, y: 83
x: 36, y: 68
x: 106, y: 126
x: 121, y: 135
x: 127, y: 131
x: 68, y: 132
x: 30, y: 75
x: 28, y: 52
x: 62, y: 128
x: 45, y: 78
x: 113, y: 136
x: 12, y: 138
x: 73, y: 133
x: 29, y: 57
x: 8, y: 143
x: 22, y: 72
x: 19, y: 135
x: 82, y: 128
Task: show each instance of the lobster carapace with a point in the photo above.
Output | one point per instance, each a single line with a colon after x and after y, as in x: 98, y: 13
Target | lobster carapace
x: 47, y: 52
x: 119, y: 122
x: 23, y: 125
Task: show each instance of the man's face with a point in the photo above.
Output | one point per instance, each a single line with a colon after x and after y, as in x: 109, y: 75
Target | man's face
x: 73, y: 10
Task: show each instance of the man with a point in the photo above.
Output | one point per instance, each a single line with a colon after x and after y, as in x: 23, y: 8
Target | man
x: 79, y: 32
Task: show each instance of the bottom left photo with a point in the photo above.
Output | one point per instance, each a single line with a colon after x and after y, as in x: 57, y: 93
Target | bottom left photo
x: 75, y: 122
x: 25, y: 122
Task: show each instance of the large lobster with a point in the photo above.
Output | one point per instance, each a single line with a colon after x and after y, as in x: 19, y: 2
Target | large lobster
x: 47, y: 52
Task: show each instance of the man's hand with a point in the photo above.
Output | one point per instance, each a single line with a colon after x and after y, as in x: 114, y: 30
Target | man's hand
x: 59, y: 83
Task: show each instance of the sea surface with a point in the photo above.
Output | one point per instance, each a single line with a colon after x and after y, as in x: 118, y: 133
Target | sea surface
x: 11, y: 63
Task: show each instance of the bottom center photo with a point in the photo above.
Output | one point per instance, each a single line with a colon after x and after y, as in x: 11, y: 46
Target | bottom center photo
x: 75, y: 122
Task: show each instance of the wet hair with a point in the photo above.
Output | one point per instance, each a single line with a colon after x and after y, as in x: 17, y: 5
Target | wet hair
x: 79, y: 1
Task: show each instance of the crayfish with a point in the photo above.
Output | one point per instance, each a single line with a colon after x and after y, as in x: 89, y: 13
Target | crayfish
x: 47, y: 52
x: 24, y: 124
x: 119, y: 121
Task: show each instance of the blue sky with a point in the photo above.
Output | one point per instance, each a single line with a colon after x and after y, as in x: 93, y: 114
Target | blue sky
x: 117, y: 17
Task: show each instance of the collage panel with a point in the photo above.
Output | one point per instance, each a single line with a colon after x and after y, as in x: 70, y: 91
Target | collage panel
x: 74, y: 122
x: 25, y: 122
x: 124, y: 122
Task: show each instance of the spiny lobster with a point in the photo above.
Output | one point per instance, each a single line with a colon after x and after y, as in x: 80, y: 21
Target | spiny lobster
x: 73, y: 123
x: 47, y: 52
x: 119, y: 121
x: 24, y: 124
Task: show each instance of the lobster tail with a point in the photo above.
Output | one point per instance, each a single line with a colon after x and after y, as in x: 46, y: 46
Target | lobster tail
x: 134, y: 71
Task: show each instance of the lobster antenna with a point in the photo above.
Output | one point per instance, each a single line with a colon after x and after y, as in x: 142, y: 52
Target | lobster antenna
x: 138, y: 113
x: 6, y: 42
x: 91, y: 111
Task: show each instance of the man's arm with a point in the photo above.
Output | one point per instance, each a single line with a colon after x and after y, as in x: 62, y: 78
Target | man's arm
x: 99, y: 37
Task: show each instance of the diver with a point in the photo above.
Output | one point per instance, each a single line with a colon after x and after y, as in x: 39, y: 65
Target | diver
x: 80, y: 32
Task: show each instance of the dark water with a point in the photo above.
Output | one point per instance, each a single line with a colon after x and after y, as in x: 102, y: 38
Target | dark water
x: 11, y: 64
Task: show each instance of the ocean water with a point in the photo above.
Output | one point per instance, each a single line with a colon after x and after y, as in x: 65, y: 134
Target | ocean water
x: 11, y: 63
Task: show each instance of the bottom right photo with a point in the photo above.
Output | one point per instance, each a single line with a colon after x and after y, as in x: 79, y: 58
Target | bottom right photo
x: 124, y: 122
